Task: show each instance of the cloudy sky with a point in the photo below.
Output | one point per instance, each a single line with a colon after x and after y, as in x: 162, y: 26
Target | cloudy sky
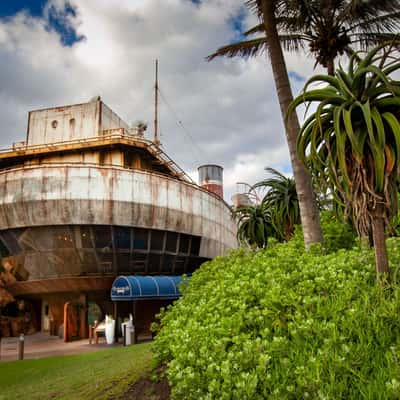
x: 58, y: 52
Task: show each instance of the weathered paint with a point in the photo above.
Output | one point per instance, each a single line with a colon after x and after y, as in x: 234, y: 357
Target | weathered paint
x: 110, y: 120
x: 211, y: 178
x: 62, y: 124
x: 80, y: 194
x: 97, y: 148
x: 86, y: 198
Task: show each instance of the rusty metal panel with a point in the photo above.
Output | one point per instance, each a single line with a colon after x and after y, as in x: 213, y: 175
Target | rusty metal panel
x: 211, y: 178
x: 110, y: 120
x: 63, y: 124
x: 81, y: 194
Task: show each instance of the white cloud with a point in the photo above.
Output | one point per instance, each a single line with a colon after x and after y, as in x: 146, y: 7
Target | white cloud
x: 229, y: 107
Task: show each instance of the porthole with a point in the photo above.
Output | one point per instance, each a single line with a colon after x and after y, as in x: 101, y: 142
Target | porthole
x: 54, y: 124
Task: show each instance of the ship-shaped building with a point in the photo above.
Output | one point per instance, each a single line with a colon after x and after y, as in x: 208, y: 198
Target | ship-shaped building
x: 87, y: 198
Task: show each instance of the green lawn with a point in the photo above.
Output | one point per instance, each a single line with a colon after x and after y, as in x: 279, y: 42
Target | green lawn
x: 100, y: 375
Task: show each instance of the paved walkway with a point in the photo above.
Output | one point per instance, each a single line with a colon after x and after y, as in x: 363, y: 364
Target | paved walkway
x: 40, y: 345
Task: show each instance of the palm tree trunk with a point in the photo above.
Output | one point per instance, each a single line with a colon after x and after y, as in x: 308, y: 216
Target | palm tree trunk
x: 307, y: 202
x: 331, y: 67
x: 381, y: 259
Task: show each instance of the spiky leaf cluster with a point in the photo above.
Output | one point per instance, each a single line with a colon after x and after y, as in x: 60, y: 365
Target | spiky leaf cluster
x: 254, y: 225
x: 282, y: 202
x: 353, y: 138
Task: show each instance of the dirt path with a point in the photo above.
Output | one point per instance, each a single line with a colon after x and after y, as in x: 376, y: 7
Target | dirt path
x: 40, y: 345
x: 149, y: 389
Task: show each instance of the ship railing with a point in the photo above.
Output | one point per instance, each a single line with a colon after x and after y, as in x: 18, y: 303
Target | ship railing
x: 45, y: 164
x: 107, y: 135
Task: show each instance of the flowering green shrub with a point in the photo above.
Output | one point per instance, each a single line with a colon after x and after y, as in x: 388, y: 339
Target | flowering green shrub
x: 337, y: 233
x: 285, y: 324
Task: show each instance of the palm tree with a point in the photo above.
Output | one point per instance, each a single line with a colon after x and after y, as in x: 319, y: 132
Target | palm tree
x: 329, y: 27
x: 254, y: 225
x: 270, y: 12
x: 353, y: 138
x: 282, y: 202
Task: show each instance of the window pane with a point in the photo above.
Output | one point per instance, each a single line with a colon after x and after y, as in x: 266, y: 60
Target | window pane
x: 179, y: 265
x: 168, y: 264
x: 172, y: 240
x: 184, y: 243
x: 154, y: 262
x: 122, y: 238
x: 124, y: 262
x: 157, y: 239
x: 85, y: 238
x: 89, y: 263
x: 195, y: 247
x: 140, y: 239
x: 102, y: 237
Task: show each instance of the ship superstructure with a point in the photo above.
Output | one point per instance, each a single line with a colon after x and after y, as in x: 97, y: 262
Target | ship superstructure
x: 87, y: 198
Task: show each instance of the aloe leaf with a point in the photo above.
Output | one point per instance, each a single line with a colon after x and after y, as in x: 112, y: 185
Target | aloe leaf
x: 388, y: 102
x: 331, y: 80
x: 350, y: 133
x: 380, y: 130
x: 345, y: 83
x: 341, y: 144
x: 395, y: 127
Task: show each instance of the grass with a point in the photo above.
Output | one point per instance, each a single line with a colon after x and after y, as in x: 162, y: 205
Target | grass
x: 105, y: 374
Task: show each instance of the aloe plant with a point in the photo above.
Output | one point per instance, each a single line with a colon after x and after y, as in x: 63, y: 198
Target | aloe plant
x: 282, y: 202
x: 353, y: 140
x: 254, y: 225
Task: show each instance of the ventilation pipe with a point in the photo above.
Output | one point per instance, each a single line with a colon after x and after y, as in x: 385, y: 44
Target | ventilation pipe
x: 211, y: 178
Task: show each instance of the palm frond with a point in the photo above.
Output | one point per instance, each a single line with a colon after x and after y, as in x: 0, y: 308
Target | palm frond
x: 254, y: 6
x: 284, y: 24
x: 293, y: 42
x: 366, y: 9
x: 328, y: 27
x: 255, y: 29
x: 282, y: 202
x: 380, y: 23
x: 369, y: 39
x: 246, y: 49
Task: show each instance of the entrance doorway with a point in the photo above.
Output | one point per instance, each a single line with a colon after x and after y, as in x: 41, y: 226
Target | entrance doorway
x: 45, y: 317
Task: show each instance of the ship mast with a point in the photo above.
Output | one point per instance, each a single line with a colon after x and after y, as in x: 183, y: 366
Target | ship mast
x: 155, y: 139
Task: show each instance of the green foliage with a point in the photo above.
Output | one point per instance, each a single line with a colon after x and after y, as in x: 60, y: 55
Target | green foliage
x: 283, y: 323
x: 396, y: 219
x: 275, y: 217
x: 282, y: 203
x: 352, y: 140
x: 254, y: 225
x: 338, y: 234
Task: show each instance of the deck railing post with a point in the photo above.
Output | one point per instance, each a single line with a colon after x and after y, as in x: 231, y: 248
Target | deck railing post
x: 21, y: 343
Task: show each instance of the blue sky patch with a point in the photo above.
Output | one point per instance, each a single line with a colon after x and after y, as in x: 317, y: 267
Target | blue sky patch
x: 237, y: 23
x: 58, y: 21
x: 33, y: 7
x: 296, y: 77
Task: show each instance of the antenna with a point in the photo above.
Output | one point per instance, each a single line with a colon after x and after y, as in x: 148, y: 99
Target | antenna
x: 155, y: 139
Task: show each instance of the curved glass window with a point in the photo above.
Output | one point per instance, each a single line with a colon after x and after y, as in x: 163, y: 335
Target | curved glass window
x: 79, y: 250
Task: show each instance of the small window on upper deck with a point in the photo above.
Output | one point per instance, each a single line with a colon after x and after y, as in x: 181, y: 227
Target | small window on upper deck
x: 54, y: 124
x: 72, y: 123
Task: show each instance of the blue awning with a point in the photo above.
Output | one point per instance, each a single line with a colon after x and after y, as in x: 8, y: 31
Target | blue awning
x: 127, y: 288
